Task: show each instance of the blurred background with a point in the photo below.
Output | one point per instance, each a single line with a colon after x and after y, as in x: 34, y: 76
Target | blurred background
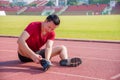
x: 80, y: 19
x: 61, y: 7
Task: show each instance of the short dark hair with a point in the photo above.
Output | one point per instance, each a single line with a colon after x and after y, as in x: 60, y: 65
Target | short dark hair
x: 54, y: 18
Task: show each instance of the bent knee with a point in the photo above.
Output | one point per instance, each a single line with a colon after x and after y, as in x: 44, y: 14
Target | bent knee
x: 63, y: 47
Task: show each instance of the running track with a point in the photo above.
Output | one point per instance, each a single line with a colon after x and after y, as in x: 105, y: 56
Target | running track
x: 101, y: 61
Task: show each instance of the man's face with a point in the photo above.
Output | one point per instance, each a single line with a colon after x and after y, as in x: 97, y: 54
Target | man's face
x: 49, y: 26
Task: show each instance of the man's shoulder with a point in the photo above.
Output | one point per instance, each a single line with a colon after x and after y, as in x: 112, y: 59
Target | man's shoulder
x: 36, y: 23
x: 33, y: 26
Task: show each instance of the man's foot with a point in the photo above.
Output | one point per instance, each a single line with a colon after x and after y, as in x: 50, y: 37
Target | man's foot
x: 45, y: 64
x: 73, y: 62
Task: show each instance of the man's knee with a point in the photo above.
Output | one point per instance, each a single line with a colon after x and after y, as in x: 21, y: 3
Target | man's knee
x: 63, y: 47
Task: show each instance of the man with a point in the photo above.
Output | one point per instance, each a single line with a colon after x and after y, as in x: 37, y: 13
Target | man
x: 35, y: 35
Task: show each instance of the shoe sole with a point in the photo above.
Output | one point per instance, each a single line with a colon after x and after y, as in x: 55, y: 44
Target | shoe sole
x: 74, y: 62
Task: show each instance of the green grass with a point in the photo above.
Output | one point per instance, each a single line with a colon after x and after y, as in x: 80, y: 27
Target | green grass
x: 14, y: 25
x: 77, y: 27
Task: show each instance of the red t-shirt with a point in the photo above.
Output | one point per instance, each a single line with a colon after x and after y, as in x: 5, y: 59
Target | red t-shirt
x: 36, y: 41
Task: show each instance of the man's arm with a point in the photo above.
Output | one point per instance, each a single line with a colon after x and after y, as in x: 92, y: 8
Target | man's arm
x: 23, y: 47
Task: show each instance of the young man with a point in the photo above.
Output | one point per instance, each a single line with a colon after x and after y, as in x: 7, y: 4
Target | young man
x: 35, y: 35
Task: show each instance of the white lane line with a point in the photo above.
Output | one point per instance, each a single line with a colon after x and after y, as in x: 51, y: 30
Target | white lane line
x: 51, y: 72
x: 73, y: 75
x: 115, y: 76
x: 92, y: 58
x: 97, y: 48
x: 8, y: 50
x: 90, y: 47
x: 101, y: 59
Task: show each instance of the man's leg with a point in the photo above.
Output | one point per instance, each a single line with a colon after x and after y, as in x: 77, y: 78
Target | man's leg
x: 65, y: 61
x: 61, y: 51
x: 24, y: 59
x: 46, y: 63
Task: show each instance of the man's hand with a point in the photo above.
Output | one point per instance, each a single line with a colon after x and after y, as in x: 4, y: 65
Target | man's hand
x: 36, y: 58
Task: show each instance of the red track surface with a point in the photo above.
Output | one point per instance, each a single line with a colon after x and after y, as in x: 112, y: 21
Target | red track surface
x: 101, y: 61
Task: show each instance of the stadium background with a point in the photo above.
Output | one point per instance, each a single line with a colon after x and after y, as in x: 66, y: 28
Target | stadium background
x: 81, y: 19
x: 61, y: 7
